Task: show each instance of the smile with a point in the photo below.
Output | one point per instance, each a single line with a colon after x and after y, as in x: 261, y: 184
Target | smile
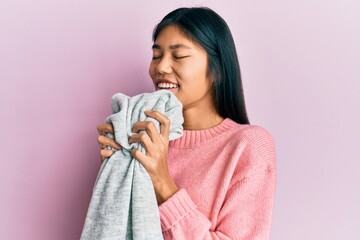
x: 167, y: 85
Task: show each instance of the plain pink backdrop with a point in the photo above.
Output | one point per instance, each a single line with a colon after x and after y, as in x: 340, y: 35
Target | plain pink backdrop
x: 61, y: 61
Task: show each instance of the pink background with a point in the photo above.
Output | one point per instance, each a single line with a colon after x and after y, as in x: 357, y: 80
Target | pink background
x: 61, y: 61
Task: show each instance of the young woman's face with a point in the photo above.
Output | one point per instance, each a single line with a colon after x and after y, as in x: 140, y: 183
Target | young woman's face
x: 180, y: 65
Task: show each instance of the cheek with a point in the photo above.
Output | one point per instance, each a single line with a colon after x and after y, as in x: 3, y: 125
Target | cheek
x: 152, y: 68
x: 187, y: 71
x: 194, y: 73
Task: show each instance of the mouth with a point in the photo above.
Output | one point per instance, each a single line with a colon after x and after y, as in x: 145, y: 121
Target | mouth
x: 163, y: 85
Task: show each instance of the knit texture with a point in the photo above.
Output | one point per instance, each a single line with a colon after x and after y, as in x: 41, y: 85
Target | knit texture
x: 123, y: 204
x: 226, y: 177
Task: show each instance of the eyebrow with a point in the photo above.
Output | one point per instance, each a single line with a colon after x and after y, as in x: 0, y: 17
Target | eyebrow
x: 172, y: 47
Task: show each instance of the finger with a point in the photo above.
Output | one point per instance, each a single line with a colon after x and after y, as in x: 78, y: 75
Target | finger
x: 105, y: 141
x: 163, y: 120
x: 106, y: 153
x: 145, y: 140
x: 150, y: 129
x: 105, y: 128
x: 142, y: 158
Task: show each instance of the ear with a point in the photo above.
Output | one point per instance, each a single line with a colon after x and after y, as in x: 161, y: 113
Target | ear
x: 211, y: 78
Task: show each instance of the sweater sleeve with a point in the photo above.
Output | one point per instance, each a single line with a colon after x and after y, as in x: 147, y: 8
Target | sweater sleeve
x: 245, y: 213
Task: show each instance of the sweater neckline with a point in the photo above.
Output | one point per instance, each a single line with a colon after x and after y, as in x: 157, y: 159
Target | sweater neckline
x: 192, y: 138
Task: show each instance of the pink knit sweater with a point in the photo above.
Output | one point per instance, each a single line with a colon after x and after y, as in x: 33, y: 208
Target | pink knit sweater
x: 226, y: 176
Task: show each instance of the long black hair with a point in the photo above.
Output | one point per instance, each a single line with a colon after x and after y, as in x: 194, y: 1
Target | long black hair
x: 210, y: 31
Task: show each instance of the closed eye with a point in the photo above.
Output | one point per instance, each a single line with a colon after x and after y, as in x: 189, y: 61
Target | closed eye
x: 180, y: 57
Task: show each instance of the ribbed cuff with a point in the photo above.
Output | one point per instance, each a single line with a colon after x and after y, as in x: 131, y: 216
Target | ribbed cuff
x: 175, y: 208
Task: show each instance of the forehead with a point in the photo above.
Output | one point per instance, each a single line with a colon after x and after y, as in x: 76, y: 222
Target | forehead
x: 172, y: 37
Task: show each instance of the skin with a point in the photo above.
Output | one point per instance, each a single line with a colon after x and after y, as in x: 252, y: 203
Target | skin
x: 178, y: 60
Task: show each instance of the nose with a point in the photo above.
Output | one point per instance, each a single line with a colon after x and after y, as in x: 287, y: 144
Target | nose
x: 164, y: 66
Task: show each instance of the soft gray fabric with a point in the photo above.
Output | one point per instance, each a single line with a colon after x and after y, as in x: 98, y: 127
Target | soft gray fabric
x: 123, y: 204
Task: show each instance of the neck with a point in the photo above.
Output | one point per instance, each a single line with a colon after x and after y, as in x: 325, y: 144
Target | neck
x: 200, y: 118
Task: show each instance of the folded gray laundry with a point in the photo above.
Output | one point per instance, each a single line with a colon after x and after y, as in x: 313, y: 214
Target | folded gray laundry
x: 123, y: 204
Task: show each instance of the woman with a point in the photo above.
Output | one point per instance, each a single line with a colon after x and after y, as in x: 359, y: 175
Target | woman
x: 217, y: 181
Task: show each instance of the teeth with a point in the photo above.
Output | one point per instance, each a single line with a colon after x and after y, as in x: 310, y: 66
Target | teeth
x: 167, y: 85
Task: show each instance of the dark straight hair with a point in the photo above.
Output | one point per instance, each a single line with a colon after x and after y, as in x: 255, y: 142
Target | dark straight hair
x: 210, y: 31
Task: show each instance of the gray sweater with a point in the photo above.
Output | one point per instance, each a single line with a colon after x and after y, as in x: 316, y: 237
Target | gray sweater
x: 123, y: 204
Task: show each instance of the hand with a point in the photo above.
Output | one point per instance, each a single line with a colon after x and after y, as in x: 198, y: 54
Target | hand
x: 103, y: 141
x: 155, y: 159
